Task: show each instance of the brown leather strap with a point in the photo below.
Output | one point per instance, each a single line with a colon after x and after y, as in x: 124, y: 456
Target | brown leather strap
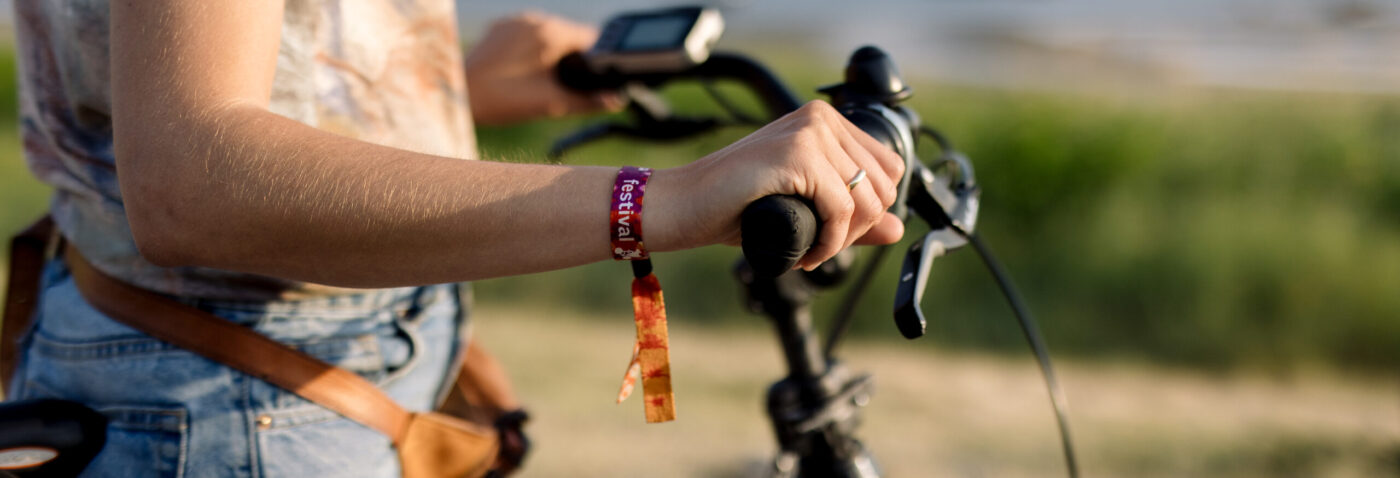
x: 27, y: 251
x: 240, y: 348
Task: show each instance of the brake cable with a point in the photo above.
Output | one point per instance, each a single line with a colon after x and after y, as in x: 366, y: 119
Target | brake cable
x: 1033, y: 337
x: 848, y: 303
x: 1024, y: 319
x: 739, y: 116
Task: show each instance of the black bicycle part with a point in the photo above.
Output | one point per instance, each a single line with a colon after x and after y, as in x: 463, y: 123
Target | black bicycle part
x: 870, y: 99
x: 1036, y: 342
x: 913, y: 279
x: 49, y: 437
x: 777, y: 232
x: 846, y: 312
x: 814, y: 410
x: 650, y: 119
x: 738, y: 115
x: 871, y: 77
x: 572, y: 72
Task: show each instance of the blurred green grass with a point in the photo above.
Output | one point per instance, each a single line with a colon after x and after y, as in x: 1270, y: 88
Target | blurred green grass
x: 22, y: 198
x: 1219, y: 229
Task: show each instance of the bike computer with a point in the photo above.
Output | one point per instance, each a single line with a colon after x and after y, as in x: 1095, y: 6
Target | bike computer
x: 656, y: 41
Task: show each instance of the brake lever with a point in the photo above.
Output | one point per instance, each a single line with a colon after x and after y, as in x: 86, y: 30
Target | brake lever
x: 913, y: 279
x: 949, y: 204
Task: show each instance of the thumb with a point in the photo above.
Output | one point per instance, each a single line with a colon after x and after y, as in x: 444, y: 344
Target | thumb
x: 888, y: 231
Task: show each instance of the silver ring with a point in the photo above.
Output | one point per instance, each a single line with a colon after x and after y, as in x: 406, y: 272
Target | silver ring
x: 860, y: 176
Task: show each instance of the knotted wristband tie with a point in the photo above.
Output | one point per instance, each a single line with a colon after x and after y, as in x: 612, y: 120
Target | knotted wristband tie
x: 651, y: 354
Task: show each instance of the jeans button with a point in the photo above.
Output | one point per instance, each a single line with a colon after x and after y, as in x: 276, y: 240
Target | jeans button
x: 264, y: 422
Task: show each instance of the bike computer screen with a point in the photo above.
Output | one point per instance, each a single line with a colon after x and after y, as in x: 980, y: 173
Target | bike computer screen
x: 656, y: 33
x: 656, y: 41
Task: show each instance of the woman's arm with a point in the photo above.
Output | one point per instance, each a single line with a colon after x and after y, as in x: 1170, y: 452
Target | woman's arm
x: 210, y: 177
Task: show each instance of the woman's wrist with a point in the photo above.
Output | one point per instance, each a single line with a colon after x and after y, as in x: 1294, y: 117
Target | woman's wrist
x: 666, y: 211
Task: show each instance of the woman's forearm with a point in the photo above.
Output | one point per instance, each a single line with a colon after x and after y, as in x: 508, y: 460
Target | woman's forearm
x: 210, y: 177
x: 247, y: 190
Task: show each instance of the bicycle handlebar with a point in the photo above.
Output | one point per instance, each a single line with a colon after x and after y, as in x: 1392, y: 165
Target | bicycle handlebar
x: 777, y: 231
x: 574, y: 73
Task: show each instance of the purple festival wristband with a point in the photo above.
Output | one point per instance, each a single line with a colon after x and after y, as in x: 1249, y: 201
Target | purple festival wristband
x: 626, y: 224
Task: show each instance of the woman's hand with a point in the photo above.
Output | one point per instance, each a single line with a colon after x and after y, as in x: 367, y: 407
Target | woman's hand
x: 510, y: 73
x: 811, y: 152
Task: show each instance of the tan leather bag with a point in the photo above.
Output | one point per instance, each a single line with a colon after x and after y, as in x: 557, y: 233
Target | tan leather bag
x: 430, y: 445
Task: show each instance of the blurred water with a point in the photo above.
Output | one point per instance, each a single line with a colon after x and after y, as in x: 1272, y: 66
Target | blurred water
x: 1341, y: 45
x: 1329, y: 45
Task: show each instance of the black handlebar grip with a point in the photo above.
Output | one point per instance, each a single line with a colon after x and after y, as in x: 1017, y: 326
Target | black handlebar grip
x: 777, y: 231
x: 574, y: 73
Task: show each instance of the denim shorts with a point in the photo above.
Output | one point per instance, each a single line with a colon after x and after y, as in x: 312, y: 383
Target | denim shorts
x: 175, y: 414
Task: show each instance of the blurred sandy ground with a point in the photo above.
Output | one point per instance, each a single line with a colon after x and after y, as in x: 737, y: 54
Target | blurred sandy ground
x: 933, y: 414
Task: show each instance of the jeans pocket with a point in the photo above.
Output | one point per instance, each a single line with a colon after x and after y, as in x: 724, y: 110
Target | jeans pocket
x: 148, y: 440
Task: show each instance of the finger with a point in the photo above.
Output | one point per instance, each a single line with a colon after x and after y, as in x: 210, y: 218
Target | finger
x: 889, y: 161
x: 868, y: 203
x: 881, y: 184
x: 888, y: 231
x: 836, y: 207
x: 868, y: 200
x: 870, y: 211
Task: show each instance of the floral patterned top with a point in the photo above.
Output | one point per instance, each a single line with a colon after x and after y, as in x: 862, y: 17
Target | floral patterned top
x: 383, y: 71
